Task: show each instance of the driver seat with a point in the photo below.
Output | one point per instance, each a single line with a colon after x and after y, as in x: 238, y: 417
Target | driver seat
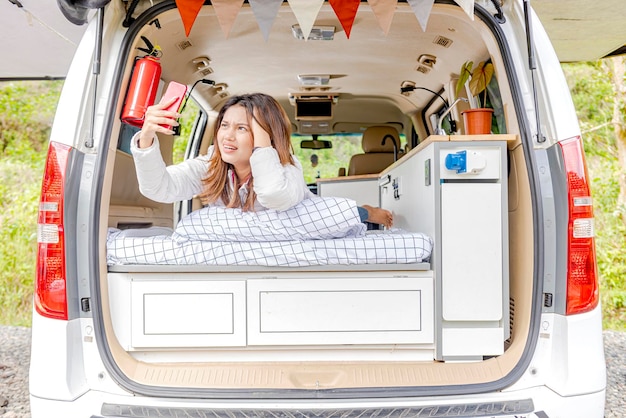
x: 381, y: 147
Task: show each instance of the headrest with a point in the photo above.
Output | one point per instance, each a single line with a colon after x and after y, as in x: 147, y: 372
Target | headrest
x: 372, y: 140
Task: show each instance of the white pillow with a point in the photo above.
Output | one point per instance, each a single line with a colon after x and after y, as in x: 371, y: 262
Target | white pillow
x: 314, y: 218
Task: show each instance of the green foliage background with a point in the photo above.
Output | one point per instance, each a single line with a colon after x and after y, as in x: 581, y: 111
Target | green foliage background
x: 26, y: 114
x: 593, y: 95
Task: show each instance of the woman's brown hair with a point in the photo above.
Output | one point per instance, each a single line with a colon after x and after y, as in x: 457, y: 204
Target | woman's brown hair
x: 271, y: 116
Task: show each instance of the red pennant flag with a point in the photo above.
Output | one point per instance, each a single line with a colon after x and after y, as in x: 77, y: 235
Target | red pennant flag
x: 346, y: 12
x: 189, y: 10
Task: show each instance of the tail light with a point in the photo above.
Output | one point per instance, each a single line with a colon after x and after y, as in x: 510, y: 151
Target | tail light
x: 582, y: 274
x: 50, y: 286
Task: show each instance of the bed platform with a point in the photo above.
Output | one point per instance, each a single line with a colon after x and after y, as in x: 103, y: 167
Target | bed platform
x: 312, y: 282
x: 309, y: 276
x: 249, y: 310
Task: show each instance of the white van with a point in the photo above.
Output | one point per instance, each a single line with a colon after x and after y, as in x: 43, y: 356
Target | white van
x: 481, y: 300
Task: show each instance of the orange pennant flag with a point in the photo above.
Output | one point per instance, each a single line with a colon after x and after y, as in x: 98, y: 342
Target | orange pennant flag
x: 226, y: 12
x: 384, y: 11
x: 346, y: 12
x: 189, y: 10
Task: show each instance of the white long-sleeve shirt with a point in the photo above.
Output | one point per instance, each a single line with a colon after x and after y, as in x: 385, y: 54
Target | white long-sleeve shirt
x: 277, y: 186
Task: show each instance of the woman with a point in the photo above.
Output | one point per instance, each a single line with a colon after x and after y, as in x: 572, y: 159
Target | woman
x: 250, y: 165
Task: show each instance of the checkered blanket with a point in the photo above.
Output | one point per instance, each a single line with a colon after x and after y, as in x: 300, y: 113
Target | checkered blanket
x: 314, y: 218
x: 318, y: 231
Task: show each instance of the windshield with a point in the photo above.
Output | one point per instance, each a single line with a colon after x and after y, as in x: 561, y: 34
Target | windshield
x: 326, y: 163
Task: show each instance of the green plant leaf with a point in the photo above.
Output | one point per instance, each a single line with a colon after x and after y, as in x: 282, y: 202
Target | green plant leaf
x: 466, y: 72
x: 481, y: 77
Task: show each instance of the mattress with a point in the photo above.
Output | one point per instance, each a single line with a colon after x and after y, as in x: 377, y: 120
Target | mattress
x: 393, y: 246
x: 318, y: 231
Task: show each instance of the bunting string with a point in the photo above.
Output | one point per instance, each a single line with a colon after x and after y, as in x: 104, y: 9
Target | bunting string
x: 306, y: 11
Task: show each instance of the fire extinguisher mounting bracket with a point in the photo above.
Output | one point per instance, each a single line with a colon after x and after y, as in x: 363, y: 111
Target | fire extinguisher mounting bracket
x: 152, y: 50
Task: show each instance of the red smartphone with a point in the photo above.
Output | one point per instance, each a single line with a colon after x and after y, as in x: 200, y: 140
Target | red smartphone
x: 177, y: 90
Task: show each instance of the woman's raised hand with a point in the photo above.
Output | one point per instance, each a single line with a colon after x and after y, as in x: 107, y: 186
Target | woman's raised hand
x: 157, y: 119
x: 261, y: 136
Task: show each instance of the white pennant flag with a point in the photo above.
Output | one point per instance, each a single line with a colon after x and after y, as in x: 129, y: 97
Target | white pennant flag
x: 467, y: 6
x: 306, y: 12
x: 265, y: 12
x: 422, y: 9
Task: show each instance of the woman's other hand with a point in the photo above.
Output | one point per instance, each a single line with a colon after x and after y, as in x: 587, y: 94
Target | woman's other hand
x: 157, y: 119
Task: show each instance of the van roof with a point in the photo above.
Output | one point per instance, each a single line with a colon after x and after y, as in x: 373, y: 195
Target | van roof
x: 580, y: 31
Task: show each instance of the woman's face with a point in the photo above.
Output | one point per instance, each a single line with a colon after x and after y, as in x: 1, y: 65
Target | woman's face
x: 234, y: 138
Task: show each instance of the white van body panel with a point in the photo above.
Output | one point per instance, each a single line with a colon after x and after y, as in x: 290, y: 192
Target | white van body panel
x: 57, y: 371
x: 75, y: 95
x: 574, y: 359
x: 311, y: 352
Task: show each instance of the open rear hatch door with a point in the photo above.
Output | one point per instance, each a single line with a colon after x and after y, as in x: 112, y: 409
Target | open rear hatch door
x: 38, y: 40
x: 580, y: 30
x: 583, y: 30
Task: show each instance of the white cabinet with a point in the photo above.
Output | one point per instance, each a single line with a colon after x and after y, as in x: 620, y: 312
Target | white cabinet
x: 456, y: 191
x: 372, y: 308
x: 363, y: 188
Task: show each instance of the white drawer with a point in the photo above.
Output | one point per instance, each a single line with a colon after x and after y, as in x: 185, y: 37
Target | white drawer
x: 388, y: 310
x: 188, y: 313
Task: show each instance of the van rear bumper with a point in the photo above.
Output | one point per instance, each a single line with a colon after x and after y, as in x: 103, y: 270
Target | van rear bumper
x: 536, y: 402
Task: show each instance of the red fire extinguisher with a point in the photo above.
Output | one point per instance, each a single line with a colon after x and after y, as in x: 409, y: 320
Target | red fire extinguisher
x: 143, y: 85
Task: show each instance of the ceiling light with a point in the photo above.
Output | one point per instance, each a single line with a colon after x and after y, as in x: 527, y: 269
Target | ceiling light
x: 318, y: 33
x: 313, y: 79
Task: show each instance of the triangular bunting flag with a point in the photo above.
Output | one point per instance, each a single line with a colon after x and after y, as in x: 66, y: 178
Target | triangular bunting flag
x: 306, y: 12
x: 265, y: 12
x: 384, y: 11
x: 188, y: 10
x: 422, y: 9
x: 226, y: 12
x: 467, y: 6
x: 346, y: 12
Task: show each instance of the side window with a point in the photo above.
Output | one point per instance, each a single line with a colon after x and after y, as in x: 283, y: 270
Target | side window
x: 126, y: 134
x: 190, y: 130
x: 186, y: 145
x: 494, y: 100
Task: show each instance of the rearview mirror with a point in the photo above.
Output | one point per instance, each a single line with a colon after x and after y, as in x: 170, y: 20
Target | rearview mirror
x: 316, y: 144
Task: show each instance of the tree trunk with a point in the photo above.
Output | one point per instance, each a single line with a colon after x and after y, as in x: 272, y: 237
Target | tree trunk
x: 618, y: 72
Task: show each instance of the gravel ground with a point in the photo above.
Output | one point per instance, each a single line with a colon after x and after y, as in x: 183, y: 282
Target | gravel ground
x: 615, y: 352
x: 15, y: 357
x: 14, y: 361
